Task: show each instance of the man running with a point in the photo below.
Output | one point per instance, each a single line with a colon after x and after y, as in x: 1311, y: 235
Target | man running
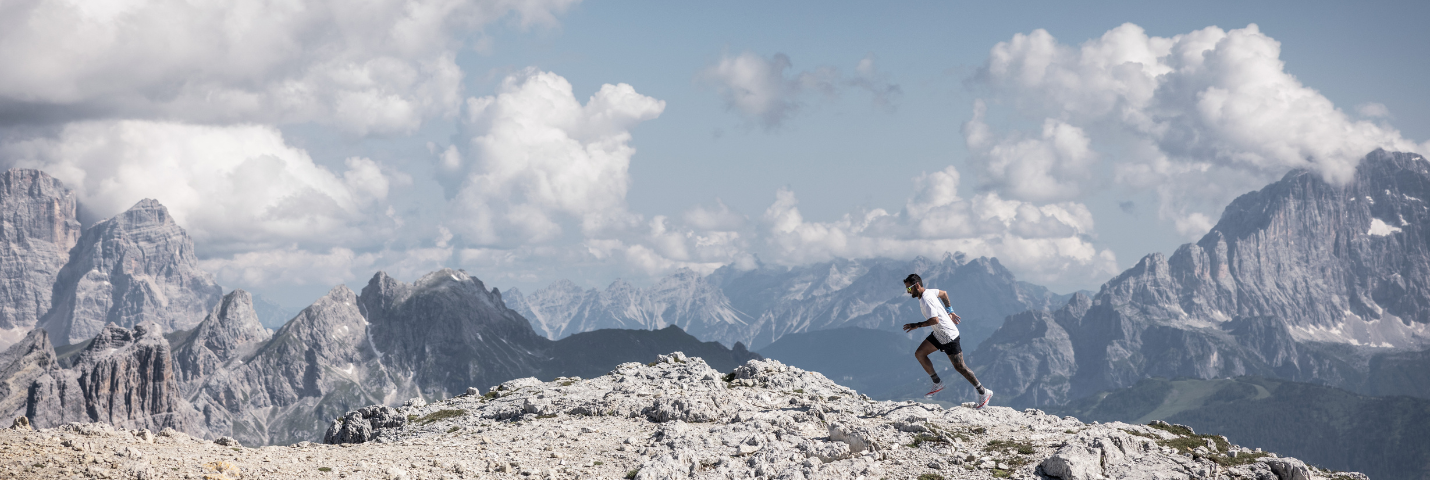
x: 939, y: 312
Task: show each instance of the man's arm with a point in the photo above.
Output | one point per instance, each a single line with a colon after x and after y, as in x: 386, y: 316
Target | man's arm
x: 943, y: 296
x: 926, y: 323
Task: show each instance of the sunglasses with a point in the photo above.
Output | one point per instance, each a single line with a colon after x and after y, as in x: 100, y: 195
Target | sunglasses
x: 909, y: 289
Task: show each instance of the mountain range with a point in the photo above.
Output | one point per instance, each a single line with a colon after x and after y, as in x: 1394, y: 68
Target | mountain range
x: 758, y: 306
x: 137, y: 336
x: 1301, y: 280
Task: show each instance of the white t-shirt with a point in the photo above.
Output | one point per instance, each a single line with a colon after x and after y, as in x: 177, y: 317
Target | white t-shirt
x: 945, y: 331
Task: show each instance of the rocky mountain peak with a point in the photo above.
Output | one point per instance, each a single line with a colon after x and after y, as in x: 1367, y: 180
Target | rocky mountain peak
x: 127, y: 379
x: 429, y: 326
x: 20, y: 365
x: 137, y: 266
x: 229, y: 331
x: 1301, y: 280
x: 38, y: 227
x: 678, y: 418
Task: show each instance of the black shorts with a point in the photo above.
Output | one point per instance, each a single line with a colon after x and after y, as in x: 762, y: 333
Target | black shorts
x: 951, y: 348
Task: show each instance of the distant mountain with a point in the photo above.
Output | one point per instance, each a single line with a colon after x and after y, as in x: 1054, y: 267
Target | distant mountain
x: 135, y: 267
x: 1385, y: 437
x: 270, y: 313
x: 1302, y: 280
x: 230, y: 376
x: 591, y: 354
x: 38, y: 226
x: 757, y: 307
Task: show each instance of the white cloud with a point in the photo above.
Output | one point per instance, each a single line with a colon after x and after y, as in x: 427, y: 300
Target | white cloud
x: 1056, y: 165
x: 1042, y: 243
x: 759, y: 89
x: 379, y: 66
x: 1373, y: 110
x: 537, y: 157
x: 1200, y: 117
x: 233, y: 188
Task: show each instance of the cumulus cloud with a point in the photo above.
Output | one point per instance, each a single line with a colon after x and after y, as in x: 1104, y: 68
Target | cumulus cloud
x: 762, y: 91
x: 1043, y: 243
x: 536, y: 157
x: 368, y: 67
x: 1054, y: 165
x: 1200, y: 117
x: 234, y: 188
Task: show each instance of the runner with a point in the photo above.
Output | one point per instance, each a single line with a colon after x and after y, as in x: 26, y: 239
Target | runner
x: 939, y: 312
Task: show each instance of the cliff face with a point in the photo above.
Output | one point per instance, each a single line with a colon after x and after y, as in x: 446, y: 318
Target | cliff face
x: 1301, y: 280
x: 127, y: 379
x: 138, y: 266
x: 21, y: 365
x: 313, y: 368
x: 38, y: 226
x: 229, y: 332
x: 447, y: 332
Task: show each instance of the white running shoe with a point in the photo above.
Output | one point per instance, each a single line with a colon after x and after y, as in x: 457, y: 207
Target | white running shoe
x: 937, y: 387
x: 984, y: 397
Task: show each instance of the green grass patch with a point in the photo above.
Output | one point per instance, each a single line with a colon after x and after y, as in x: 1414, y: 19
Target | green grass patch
x: 1007, y: 446
x: 979, y: 431
x: 1247, y: 458
x: 1000, y: 473
x: 438, y: 416
x: 453, y: 429
x: 567, y: 383
x: 1178, y: 430
x: 799, y: 390
x: 632, y: 473
x: 1137, y: 433
x: 549, y: 415
x: 931, y: 476
x: 320, y: 469
x: 1187, y: 442
x: 599, y: 463
x: 923, y: 438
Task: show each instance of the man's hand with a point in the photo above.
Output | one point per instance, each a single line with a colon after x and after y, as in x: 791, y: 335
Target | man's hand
x: 910, y: 326
x: 954, y: 317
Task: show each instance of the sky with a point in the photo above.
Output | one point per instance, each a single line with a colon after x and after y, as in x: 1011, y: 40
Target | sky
x: 305, y: 144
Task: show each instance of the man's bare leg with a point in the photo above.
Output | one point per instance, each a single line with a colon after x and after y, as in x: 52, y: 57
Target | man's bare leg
x: 963, y: 370
x: 922, y: 354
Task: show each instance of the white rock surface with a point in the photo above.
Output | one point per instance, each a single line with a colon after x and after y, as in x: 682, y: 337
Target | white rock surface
x: 674, y: 418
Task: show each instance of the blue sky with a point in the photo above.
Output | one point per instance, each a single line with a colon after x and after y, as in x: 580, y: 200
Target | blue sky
x: 309, y: 147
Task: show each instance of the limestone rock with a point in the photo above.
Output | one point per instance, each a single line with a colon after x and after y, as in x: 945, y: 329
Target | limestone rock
x: 1302, y: 280
x: 358, y: 425
x: 230, y: 331
x: 138, y: 266
x: 20, y: 366
x: 127, y: 379
x: 431, y: 328
x: 38, y: 226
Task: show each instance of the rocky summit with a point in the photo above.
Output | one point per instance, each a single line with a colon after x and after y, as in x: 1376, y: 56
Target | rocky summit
x: 1303, y: 280
x: 138, y: 266
x: 669, y: 419
x: 38, y: 226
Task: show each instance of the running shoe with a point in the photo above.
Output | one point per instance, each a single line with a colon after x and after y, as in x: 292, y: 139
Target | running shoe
x: 937, y: 387
x: 984, y: 397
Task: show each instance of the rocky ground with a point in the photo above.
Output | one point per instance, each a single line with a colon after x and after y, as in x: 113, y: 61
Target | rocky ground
x: 673, y: 418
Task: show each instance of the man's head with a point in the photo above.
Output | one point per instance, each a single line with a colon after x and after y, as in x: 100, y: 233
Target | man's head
x: 914, y: 285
